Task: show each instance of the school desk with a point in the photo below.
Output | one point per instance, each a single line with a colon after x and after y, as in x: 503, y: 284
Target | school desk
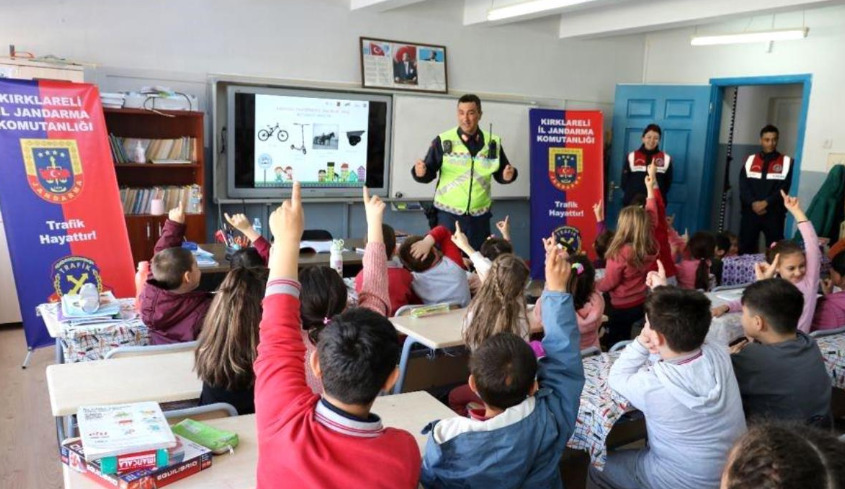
x: 93, y: 341
x: 165, y: 377
x: 306, y: 259
x: 728, y: 327
x: 833, y: 352
x: 410, y: 412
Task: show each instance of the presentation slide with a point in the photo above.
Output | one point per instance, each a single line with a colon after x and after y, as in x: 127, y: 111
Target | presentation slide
x: 319, y: 142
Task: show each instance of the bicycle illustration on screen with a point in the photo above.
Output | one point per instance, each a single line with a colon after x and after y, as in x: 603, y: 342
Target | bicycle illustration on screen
x: 265, y: 134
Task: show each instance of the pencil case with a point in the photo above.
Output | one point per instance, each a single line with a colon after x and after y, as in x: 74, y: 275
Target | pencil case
x: 217, y: 440
x: 429, y: 310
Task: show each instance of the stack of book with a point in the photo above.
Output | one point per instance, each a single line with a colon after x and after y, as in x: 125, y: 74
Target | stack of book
x: 159, y: 151
x: 71, y: 311
x: 131, y: 446
x: 112, y: 100
x: 137, y: 200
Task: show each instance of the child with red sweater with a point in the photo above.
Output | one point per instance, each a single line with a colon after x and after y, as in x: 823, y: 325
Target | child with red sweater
x: 630, y: 256
x: 305, y: 440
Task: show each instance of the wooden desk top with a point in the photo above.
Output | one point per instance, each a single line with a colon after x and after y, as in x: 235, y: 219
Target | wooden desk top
x: 164, y: 378
x: 440, y: 330
x: 411, y: 412
x: 305, y: 259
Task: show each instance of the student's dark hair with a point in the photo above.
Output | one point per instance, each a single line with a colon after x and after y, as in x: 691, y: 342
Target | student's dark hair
x: 227, y: 343
x: 778, y: 301
x: 723, y: 243
x: 702, y: 247
x: 247, y: 258
x: 389, y: 240
x: 652, y: 127
x: 783, y: 248
x: 769, y: 128
x: 603, y: 242
x: 358, y: 351
x: 412, y: 263
x: 681, y: 316
x: 638, y: 200
x: 470, y: 98
x: 170, y: 265
x: 838, y: 263
x: 581, y: 284
x: 504, y: 367
x: 786, y: 456
x: 493, y: 247
x: 322, y: 296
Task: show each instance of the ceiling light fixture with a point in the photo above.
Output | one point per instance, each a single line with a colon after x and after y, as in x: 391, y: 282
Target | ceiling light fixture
x: 528, y: 8
x: 756, y: 36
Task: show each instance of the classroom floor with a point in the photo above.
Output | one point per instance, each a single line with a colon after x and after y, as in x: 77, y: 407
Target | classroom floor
x: 27, y: 430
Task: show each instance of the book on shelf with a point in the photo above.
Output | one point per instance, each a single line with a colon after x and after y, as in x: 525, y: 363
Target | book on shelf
x: 120, y: 429
x: 155, y: 150
x: 185, y: 459
x: 137, y: 200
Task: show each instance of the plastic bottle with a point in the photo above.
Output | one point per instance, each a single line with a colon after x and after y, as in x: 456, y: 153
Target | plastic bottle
x: 141, y: 279
x: 139, y: 155
x: 336, y: 257
x: 89, y: 298
x: 256, y: 224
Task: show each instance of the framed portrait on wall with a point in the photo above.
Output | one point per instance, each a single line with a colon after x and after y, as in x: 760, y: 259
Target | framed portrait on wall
x: 402, y: 65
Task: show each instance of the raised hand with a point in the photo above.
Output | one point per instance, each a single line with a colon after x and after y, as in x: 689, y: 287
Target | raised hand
x: 793, y: 205
x: 598, y: 210
x: 420, y: 169
x: 461, y: 240
x: 177, y: 214
x: 504, y: 228
x: 550, y: 244
x: 288, y: 220
x: 508, y: 173
x: 374, y: 209
x: 658, y: 278
x: 558, y: 270
x: 422, y: 248
x: 764, y: 270
x: 238, y: 221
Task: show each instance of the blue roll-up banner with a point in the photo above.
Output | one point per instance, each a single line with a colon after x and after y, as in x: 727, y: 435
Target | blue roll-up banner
x: 567, y: 178
x: 58, y: 191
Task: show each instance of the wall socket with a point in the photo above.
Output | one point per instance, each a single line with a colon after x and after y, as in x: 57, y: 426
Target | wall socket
x: 835, y: 159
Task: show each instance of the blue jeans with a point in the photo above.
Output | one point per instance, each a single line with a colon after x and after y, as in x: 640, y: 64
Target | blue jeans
x: 477, y: 228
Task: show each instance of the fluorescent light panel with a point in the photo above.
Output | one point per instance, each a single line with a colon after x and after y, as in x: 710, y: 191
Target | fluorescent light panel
x: 746, y: 37
x: 528, y: 8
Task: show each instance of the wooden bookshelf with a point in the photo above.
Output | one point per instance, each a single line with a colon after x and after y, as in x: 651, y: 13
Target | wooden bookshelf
x: 144, y: 229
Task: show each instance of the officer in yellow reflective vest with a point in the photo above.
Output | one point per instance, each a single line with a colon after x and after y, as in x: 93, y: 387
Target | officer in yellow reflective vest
x: 466, y: 159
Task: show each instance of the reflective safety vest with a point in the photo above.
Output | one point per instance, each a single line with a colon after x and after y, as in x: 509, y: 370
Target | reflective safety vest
x: 465, y: 181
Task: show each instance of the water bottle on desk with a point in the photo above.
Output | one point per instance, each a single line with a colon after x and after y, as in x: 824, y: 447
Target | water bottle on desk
x: 336, y: 257
x: 89, y: 298
x: 256, y: 224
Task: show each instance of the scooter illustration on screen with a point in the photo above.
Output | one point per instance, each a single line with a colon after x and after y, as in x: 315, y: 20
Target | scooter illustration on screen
x: 302, y: 143
x: 266, y: 134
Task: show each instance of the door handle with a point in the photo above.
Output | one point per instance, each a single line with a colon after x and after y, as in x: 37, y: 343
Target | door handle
x: 149, y: 231
x: 610, y: 188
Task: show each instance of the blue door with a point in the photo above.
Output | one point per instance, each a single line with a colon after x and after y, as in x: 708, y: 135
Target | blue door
x: 684, y: 114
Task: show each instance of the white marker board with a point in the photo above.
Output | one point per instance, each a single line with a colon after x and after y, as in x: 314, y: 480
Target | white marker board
x: 417, y: 120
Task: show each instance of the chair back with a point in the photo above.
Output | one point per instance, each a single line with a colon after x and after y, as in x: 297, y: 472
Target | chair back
x: 316, y: 235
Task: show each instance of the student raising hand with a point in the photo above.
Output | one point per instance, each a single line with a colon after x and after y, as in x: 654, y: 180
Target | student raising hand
x: 598, y: 210
x: 374, y: 208
x: 177, y: 214
x: 793, y: 205
x: 558, y: 269
x: 287, y: 223
x: 504, y: 228
x: 242, y: 224
x: 656, y: 279
x: 461, y: 240
x: 764, y: 270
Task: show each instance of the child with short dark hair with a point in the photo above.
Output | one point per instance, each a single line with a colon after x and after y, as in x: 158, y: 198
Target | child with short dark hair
x: 171, y: 307
x: 334, y: 441
x: 518, y: 438
x: 781, y: 374
x: 439, y: 272
x: 399, y: 279
x: 689, y: 397
x: 247, y: 258
x: 785, y: 456
x: 694, y: 269
x: 226, y: 346
x: 830, y: 311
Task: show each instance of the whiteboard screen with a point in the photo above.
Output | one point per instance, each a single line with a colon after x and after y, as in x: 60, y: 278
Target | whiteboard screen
x: 418, y: 120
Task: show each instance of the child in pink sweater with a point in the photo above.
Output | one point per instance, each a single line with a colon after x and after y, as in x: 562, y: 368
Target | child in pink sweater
x: 589, y: 304
x: 694, y: 269
x: 787, y: 260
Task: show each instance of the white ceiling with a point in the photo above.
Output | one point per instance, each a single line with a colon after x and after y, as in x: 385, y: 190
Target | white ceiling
x: 590, y: 19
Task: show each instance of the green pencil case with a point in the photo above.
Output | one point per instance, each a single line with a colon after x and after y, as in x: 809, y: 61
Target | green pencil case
x: 217, y: 440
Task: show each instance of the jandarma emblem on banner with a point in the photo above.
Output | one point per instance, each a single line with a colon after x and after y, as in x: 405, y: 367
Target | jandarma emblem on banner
x: 570, y: 237
x: 53, y: 168
x: 566, y: 165
x: 72, y: 272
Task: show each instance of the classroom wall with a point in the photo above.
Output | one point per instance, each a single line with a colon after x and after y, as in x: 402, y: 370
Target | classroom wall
x: 669, y: 58
x: 178, y: 44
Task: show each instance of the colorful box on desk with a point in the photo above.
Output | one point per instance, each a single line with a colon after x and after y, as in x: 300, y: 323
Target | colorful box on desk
x: 193, y: 459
